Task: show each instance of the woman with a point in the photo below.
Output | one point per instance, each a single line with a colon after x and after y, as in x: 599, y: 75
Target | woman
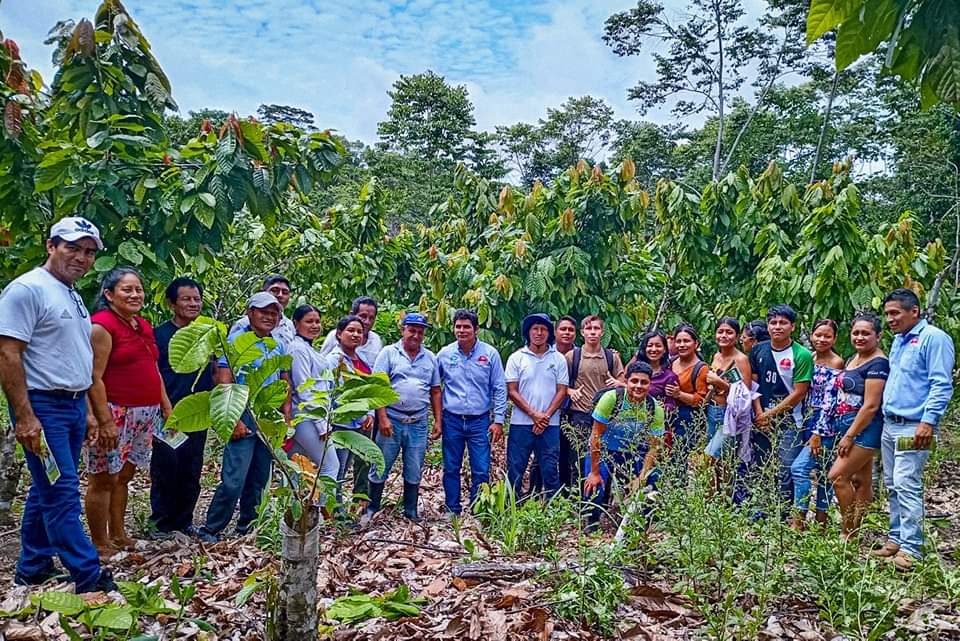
x: 728, y: 366
x: 350, y: 335
x: 689, y: 392
x: 819, y: 433
x: 128, y: 391
x: 754, y: 332
x: 858, y: 421
x: 629, y: 424
x: 311, y: 437
x: 653, y: 352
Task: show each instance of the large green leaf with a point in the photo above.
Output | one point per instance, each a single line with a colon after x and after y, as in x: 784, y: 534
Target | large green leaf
x: 864, y: 31
x: 943, y: 70
x: 348, y: 412
x: 62, y: 602
x: 270, y: 397
x: 825, y: 15
x: 361, y: 446
x: 245, y: 349
x: 227, y: 402
x: 269, y: 367
x: 191, y: 414
x: 192, y: 346
x: 113, y: 617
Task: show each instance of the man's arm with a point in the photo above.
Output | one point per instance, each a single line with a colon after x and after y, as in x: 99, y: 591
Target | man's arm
x: 940, y: 361
x: 436, y: 404
x: 498, y: 392
x: 287, y: 407
x: 792, y: 400
x: 513, y: 393
x: 13, y: 379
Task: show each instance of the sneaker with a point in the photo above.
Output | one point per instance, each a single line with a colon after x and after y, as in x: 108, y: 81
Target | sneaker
x: 207, y: 537
x: 50, y: 574
x: 190, y: 531
x: 903, y: 562
x: 159, y: 535
x: 887, y: 550
x: 104, y: 583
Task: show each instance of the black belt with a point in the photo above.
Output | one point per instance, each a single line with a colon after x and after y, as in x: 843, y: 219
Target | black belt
x: 467, y: 417
x: 58, y: 393
x: 900, y: 420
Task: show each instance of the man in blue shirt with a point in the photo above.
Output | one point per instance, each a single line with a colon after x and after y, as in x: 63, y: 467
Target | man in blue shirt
x: 246, y: 458
x: 414, y: 375
x: 473, y: 386
x: 914, y: 400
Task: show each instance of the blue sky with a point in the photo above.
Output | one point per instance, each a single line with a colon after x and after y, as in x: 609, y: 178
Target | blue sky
x: 338, y: 59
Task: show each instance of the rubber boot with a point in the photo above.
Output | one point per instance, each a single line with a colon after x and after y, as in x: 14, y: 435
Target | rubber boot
x: 376, y: 495
x: 411, y: 494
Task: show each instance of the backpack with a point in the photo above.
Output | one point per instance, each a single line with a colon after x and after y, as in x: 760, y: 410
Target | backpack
x: 575, y: 366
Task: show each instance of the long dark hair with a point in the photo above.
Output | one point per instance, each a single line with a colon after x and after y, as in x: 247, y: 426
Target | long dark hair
x: 110, y: 281
x: 642, y: 350
x: 346, y: 320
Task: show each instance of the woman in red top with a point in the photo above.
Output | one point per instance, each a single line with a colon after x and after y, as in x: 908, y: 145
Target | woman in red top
x: 127, y: 395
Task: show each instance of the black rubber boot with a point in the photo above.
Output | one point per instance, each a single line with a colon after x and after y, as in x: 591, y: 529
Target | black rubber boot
x: 376, y: 496
x: 411, y: 494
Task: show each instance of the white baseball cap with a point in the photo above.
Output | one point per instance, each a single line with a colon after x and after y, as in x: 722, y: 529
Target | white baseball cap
x: 261, y: 300
x: 74, y: 228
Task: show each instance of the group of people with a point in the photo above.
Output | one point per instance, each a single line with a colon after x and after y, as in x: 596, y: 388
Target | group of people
x: 97, y: 387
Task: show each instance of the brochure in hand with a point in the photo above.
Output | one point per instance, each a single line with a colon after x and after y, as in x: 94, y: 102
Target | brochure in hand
x: 170, y: 436
x: 49, y: 463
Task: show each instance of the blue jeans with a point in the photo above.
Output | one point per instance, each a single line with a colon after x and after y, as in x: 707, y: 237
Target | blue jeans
x: 903, y: 476
x: 622, y: 465
x: 715, y: 436
x: 788, y: 449
x: 51, y: 516
x: 409, y: 437
x: 546, y: 448
x: 749, y: 474
x: 460, y: 432
x: 244, y: 475
x: 801, y: 469
x: 684, y: 437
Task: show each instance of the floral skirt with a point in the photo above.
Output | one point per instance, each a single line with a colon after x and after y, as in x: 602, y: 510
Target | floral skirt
x: 135, y: 428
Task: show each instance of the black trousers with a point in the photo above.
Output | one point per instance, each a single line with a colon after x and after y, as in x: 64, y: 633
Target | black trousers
x: 574, y: 447
x: 175, y: 482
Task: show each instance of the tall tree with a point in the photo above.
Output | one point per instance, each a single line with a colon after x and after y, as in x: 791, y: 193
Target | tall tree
x: 272, y: 114
x: 428, y: 118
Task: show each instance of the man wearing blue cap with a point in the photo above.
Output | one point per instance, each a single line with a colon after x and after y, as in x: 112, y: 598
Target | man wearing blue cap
x: 536, y: 376
x: 413, y: 373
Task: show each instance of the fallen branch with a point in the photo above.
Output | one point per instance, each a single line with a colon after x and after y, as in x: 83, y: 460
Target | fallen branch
x: 485, y: 571
x: 422, y: 546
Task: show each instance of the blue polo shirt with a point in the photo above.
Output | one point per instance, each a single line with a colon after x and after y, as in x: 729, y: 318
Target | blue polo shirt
x: 921, y: 374
x: 473, y: 383
x: 411, y: 378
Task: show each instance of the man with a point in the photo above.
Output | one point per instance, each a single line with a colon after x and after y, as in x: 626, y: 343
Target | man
x: 783, y: 370
x: 365, y: 308
x: 473, y: 386
x: 46, y: 368
x: 914, y: 400
x: 279, y: 287
x: 566, y: 333
x: 414, y: 374
x: 175, y: 472
x: 536, y: 377
x: 246, y: 458
x: 591, y: 367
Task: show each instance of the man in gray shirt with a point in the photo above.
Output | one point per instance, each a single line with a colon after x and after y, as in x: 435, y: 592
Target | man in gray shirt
x: 46, y: 367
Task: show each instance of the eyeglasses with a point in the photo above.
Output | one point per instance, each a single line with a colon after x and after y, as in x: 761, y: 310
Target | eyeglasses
x: 279, y: 290
x: 78, y: 302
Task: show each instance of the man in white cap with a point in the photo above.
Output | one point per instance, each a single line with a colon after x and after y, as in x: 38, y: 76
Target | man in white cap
x: 46, y: 367
x: 246, y: 458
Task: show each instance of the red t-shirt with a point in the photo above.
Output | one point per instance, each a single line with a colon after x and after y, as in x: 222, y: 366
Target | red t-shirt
x: 360, y: 366
x: 131, y: 375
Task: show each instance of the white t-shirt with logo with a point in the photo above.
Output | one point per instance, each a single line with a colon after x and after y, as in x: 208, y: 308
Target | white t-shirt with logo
x: 785, y: 365
x: 537, y: 378
x: 52, y: 320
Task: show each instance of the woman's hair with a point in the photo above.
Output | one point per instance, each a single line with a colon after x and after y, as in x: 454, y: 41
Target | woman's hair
x: 110, y: 281
x: 825, y: 321
x: 346, y: 320
x: 688, y: 329
x: 642, y: 349
x: 757, y: 330
x: 639, y: 367
x: 730, y: 322
x: 302, y: 311
x: 867, y: 317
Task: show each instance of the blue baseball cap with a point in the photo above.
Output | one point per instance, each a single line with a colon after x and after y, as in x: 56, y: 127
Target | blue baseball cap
x: 415, y: 318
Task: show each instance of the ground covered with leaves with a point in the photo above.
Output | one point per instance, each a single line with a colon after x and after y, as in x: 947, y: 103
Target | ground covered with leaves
x: 703, y: 570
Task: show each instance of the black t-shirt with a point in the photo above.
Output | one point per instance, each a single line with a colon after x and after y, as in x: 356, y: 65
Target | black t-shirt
x: 178, y: 385
x: 852, y: 384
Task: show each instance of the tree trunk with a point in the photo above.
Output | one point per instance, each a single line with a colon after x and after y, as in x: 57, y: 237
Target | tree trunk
x: 826, y: 125
x: 934, y: 296
x: 716, y: 152
x: 297, y: 616
x: 10, y: 470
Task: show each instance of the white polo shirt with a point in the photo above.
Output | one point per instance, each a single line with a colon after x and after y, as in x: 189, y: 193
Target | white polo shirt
x: 537, y: 377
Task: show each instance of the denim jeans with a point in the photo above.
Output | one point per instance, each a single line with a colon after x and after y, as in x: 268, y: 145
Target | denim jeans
x: 715, y: 436
x: 459, y: 433
x: 244, y: 475
x: 545, y: 447
x: 803, y: 466
x: 622, y: 465
x: 788, y: 449
x: 685, y: 431
x: 903, y: 476
x: 750, y: 474
x: 51, y: 516
x: 411, y: 438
